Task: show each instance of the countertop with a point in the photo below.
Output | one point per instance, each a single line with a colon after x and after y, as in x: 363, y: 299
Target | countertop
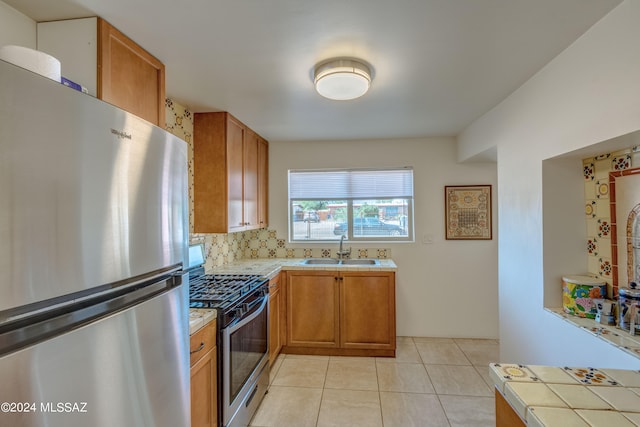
x: 198, y: 317
x: 269, y: 268
x: 570, y: 396
x: 610, y: 334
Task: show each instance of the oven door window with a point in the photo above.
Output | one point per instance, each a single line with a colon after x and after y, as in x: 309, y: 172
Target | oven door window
x: 248, y: 345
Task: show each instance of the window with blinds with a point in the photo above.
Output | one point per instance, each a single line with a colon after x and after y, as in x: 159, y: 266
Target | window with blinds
x: 361, y: 204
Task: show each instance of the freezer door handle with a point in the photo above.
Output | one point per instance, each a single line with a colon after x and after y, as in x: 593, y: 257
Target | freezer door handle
x: 35, y: 328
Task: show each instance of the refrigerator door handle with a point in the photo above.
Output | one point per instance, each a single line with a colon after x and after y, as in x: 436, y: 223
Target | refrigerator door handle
x: 36, y: 328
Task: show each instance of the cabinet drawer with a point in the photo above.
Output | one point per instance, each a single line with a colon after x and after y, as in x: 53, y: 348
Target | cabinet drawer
x: 202, y: 341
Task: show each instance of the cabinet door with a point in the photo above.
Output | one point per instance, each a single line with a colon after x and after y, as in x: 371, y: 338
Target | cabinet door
x: 250, y: 166
x: 367, y: 310
x: 204, y: 400
x: 312, y: 309
x: 263, y: 183
x: 235, y: 159
x: 210, y: 210
x: 275, y: 306
x: 130, y: 77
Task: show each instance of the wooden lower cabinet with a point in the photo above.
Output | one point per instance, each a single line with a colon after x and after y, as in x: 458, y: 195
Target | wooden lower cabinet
x: 313, y: 309
x: 505, y: 415
x: 341, y: 313
x: 368, y: 310
x: 276, y: 319
x: 204, y: 391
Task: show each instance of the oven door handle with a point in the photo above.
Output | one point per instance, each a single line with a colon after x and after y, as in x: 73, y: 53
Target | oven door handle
x: 246, y: 319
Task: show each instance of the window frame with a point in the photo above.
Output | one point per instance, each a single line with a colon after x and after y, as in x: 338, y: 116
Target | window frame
x: 350, y: 201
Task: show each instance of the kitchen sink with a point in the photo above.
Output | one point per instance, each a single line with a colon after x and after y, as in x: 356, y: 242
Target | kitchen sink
x: 315, y: 261
x: 360, y: 262
x: 334, y: 261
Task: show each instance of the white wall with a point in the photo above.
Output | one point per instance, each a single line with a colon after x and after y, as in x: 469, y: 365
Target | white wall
x: 16, y: 28
x: 589, y: 93
x: 447, y: 288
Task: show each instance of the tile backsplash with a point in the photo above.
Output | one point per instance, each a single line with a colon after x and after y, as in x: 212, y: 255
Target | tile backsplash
x: 598, y: 195
x: 179, y: 121
x: 222, y: 249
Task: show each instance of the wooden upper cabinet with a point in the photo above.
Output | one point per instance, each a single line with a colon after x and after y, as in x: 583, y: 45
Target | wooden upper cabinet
x: 235, y: 176
x: 110, y: 65
x: 129, y: 76
x: 226, y: 177
x: 251, y: 179
x: 263, y: 180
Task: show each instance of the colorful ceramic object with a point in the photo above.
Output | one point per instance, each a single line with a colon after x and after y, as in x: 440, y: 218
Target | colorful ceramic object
x: 578, y: 294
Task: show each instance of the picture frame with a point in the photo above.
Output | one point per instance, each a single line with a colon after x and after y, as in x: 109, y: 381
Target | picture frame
x: 467, y: 212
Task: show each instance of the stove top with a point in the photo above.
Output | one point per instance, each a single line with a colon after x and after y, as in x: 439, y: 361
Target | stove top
x: 222, y: 291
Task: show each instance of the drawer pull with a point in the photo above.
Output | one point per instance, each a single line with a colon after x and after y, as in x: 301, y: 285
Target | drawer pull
x: 198, y: 349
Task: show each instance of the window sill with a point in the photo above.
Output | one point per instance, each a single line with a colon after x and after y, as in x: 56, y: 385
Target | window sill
x: 611, y: 334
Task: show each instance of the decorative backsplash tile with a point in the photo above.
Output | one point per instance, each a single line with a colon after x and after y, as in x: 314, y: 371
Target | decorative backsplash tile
x: 222, y: 249
x: 621, y: 162
x: 598, y: 192
x: 179, y: 121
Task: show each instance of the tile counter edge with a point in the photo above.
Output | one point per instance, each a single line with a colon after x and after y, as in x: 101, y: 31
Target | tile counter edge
x: 270, y: 267
x: 611, y: 334
x: 198, y: 318
x: 548, y: 396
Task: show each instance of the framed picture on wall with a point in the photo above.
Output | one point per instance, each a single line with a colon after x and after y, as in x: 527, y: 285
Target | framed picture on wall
x: 467, y: 212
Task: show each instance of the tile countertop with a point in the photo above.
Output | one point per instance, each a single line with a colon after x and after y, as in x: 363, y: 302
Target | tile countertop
x: 610, y: 334
x: 270, y: 267
x: 561, y: 397
x: 198, y: 317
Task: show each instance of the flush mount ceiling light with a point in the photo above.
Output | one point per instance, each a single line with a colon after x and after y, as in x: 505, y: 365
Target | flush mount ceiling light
x: 342, y: 79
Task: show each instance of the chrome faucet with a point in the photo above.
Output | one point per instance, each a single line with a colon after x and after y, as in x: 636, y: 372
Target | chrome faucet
x: 341, y: 252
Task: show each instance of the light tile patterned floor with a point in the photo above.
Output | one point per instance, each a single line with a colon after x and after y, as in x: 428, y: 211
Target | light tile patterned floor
x: 431, y: 382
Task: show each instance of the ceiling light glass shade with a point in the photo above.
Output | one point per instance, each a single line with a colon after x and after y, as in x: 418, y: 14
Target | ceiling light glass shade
x: 342, y: 79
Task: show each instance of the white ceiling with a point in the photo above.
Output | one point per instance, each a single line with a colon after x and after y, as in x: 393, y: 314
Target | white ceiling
x: 438, y: 64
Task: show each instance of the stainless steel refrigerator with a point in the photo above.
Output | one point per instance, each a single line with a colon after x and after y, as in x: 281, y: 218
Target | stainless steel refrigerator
x: 93, y: 240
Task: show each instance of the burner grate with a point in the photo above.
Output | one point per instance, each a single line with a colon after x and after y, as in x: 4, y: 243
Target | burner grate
x: 221, y: 290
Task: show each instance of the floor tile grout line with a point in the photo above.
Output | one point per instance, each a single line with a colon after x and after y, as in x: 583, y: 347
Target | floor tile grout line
x: 379, y: 395
x: 324, y: 383
x: 463, y: 353
x: 444, y: 410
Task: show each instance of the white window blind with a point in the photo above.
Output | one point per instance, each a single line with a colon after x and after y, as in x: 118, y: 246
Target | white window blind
x: 351, y: 184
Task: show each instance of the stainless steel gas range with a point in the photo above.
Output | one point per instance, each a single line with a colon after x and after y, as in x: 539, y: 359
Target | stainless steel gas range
x: 241, y: 302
